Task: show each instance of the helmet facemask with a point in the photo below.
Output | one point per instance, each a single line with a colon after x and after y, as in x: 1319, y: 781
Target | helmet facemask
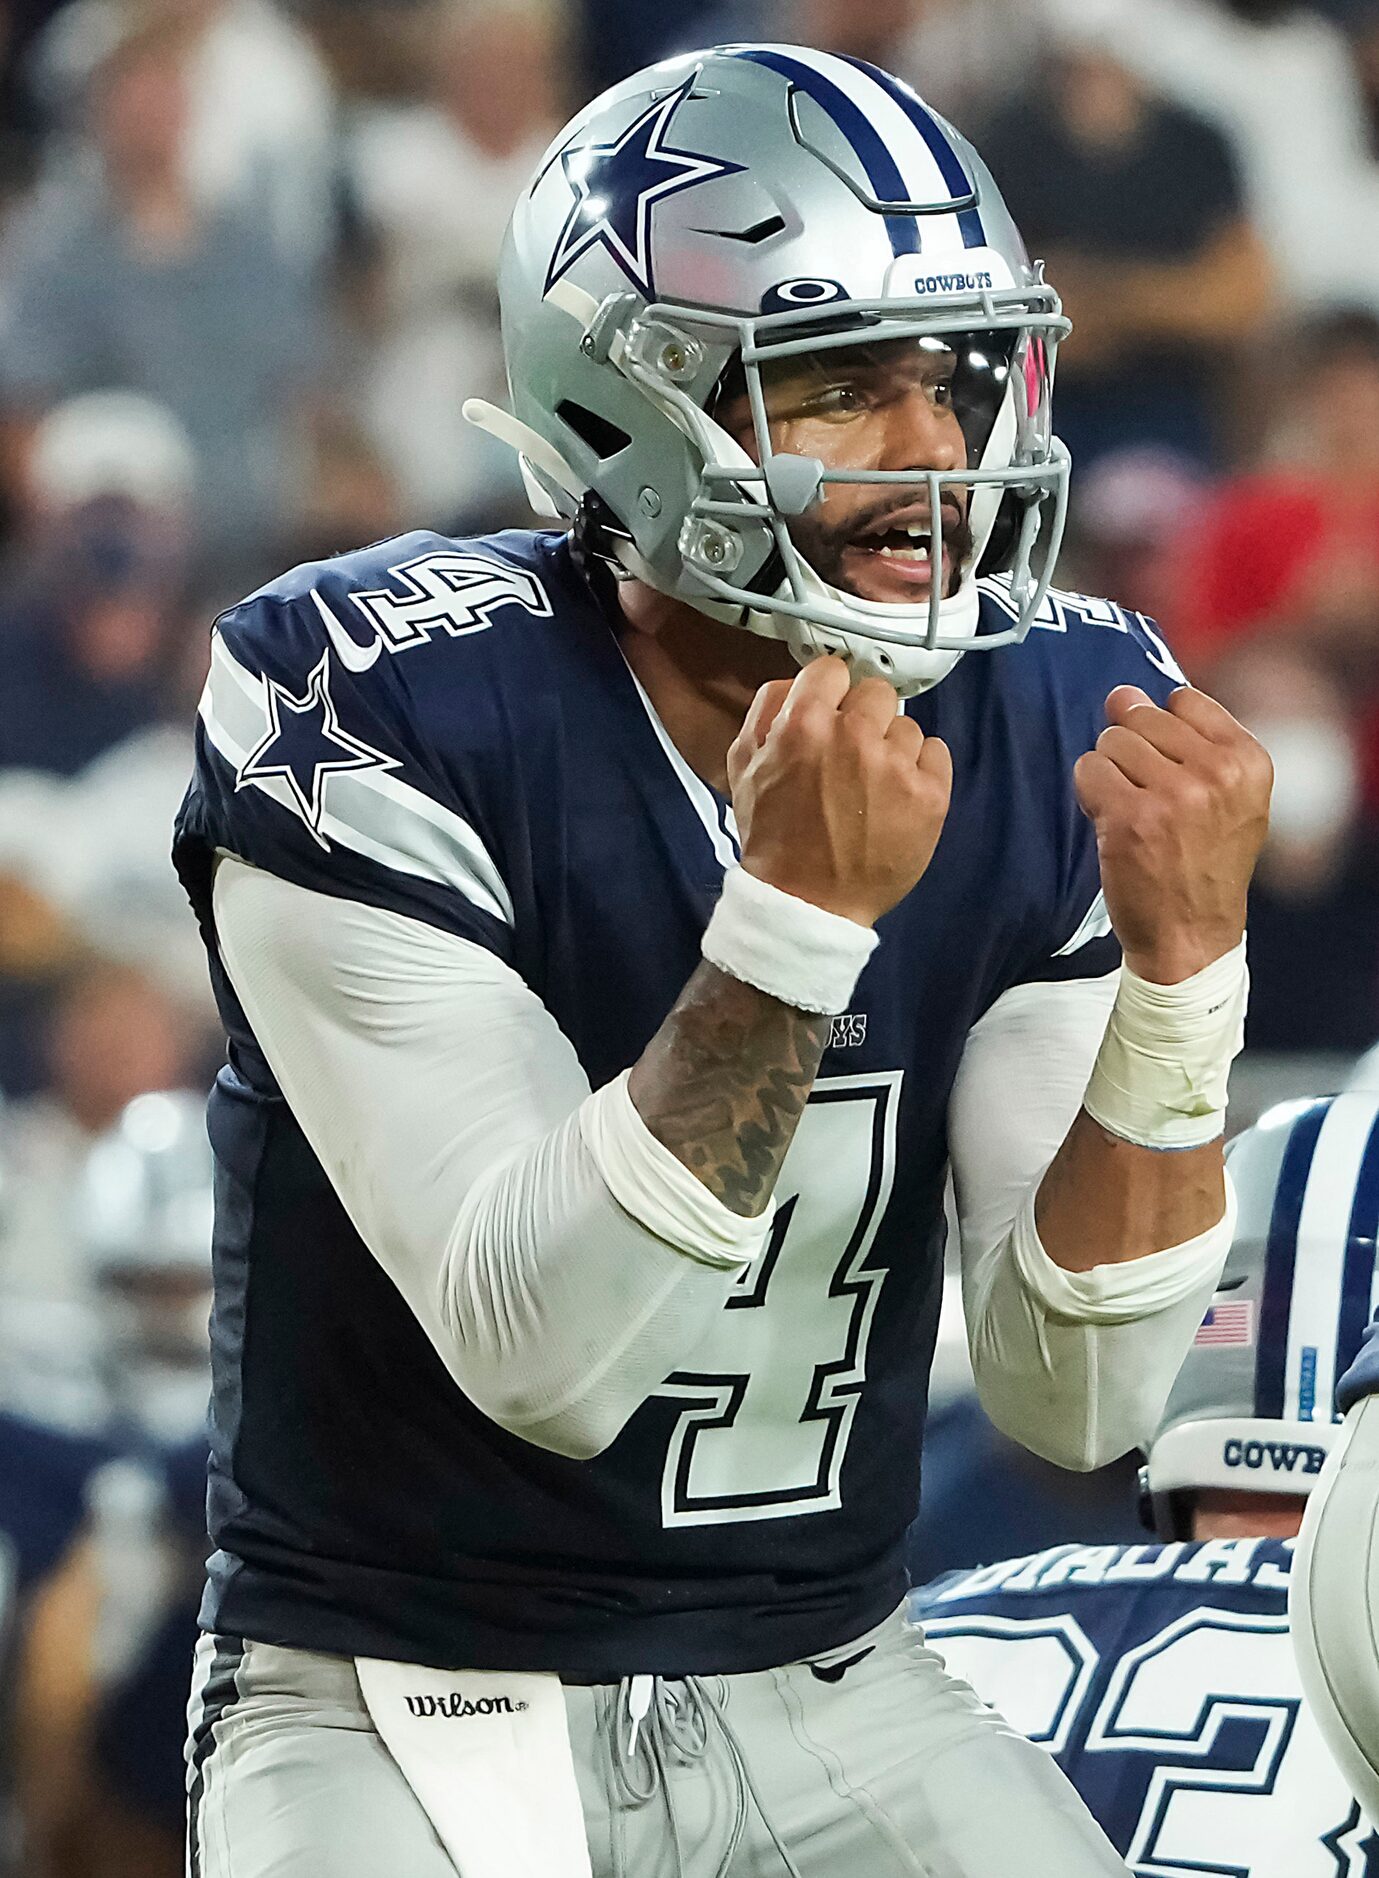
x: 759, y: 543
x: 741, y: 209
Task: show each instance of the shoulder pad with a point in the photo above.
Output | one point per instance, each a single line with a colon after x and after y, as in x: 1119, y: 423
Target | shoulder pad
x: 1063, y: 611
x: 406, y: 592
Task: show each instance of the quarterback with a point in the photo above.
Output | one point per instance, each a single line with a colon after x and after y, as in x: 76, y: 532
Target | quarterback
x: 621, y: 930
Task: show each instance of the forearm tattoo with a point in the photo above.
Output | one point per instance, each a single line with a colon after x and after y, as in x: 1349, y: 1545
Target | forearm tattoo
x: 724, y: 1081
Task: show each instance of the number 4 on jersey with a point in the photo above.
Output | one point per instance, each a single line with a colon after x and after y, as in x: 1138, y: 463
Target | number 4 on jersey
x: 445, y: 592
x: 768, y: 1408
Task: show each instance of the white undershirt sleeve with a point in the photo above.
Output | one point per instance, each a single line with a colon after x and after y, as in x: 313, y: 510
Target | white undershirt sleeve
x: 1074, y: 1365
x: 560, y: 1260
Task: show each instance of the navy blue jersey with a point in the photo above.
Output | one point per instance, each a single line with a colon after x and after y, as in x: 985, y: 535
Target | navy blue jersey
x: 1162, y: 1678
x: 450, y: 730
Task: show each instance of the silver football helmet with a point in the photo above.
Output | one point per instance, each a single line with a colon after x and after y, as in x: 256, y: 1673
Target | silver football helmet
x: 756, y: 217
x: 1253, y: 1406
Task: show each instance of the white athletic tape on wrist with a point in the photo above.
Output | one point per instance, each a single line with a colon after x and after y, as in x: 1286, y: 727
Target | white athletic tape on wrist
x: 1160, y: 1074
x: 786, y: 947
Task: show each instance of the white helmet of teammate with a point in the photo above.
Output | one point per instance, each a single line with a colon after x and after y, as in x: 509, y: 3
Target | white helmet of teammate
x: 737, y: 214
x: 145, y: 1213
x: 1253, y: 1407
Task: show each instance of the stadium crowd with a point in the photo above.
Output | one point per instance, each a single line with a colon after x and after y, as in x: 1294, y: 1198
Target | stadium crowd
x: 247, y: 259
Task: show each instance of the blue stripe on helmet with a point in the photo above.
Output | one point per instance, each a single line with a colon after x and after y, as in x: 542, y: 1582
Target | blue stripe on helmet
x: 883, y: 173
x: 1280, y: 1260
x: 943, y: 153
x: 1358, y: 1280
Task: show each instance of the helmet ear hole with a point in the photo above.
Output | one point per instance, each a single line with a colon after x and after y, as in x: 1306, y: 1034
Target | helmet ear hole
x: 605, y: 439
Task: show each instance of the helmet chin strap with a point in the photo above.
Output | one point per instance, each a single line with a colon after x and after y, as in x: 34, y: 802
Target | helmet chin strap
x: 807, y: 643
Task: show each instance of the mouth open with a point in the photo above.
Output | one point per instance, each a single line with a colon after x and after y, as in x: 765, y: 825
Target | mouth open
x: 894, y: 564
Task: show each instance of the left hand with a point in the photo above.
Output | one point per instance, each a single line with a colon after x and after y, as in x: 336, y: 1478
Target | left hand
x: 1179, y: 796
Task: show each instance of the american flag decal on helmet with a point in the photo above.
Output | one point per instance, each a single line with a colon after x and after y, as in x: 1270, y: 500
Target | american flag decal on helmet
x: 1232, y: 1323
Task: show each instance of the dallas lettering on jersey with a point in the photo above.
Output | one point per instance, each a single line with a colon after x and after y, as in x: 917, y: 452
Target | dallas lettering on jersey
x: 1209, y: 1561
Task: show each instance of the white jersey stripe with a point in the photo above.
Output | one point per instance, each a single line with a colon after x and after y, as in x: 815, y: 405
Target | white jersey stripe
x: 1323, y: 1229
x: 1096, y: 923
x: 371, y: 811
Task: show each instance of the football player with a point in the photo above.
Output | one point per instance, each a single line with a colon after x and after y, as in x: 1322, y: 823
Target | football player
x: 1334, y: 1600
x: 607, y: 995
x: 1161, y: 1677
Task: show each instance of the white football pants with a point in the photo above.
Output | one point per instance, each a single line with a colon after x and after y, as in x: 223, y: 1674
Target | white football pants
x: 869, y: 1762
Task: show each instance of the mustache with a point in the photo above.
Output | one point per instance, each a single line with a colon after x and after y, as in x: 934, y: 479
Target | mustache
x: 829, y: 542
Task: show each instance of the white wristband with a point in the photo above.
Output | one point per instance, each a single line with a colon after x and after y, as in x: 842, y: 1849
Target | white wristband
x: 1160, y: 1074
x: 786, y: 947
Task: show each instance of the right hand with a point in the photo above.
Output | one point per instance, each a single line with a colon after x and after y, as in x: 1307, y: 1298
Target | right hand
x: 840, y: 799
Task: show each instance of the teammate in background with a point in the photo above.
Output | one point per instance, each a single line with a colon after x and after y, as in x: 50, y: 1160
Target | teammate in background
x: 606, y: 995
x: 1334, y: 1602
x: 1161, y: 1676
x: 98, y: 1710
x: 143, y: 1217
x: 45, y: 1476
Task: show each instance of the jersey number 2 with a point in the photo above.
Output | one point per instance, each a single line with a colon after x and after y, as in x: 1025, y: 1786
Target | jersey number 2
x: 1265, y: 1803
x: 766, y: 1411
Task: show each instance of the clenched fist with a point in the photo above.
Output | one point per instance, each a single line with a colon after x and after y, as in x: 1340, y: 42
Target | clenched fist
x: 1180, y: 799
x: 839, y: 798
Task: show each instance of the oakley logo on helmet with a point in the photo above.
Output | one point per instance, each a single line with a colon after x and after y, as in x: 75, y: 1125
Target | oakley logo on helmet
x: 790, y: 295
x: 1280, y: 1457
x: 616, y: 186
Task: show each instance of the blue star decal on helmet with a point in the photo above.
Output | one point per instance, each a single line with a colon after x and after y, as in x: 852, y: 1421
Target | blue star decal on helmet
x: 304, y: 744
x: 616, y: 186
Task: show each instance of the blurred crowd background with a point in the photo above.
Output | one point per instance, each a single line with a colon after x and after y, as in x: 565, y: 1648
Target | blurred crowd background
x: 247, y: 256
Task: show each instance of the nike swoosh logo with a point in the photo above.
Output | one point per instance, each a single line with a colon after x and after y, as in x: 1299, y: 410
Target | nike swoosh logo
x: 835, y: 1672
x: 353, y: 656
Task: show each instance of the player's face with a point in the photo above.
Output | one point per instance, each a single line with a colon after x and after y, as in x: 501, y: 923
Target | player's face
x: 879, y: 407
